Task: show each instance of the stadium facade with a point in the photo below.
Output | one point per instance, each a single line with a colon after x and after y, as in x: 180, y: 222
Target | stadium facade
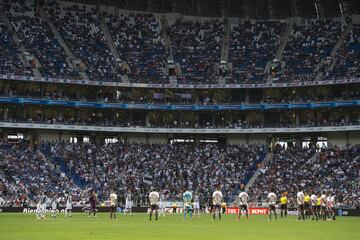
x: 194, y: 79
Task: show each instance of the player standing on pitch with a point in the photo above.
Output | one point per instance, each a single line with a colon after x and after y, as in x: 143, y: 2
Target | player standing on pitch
x: 197, y: 204
x: 307, y: 199
x: 40, y: 214
x: 68, y: 208
x: 243, y: 204
x: 216, y: 202
x: 161, y: 205
x: 54, y: 204
x: 313, y: 201
x: 188, y: 206
x: 331, y: 207
x: 92, y: 201
x: 113, y: 204
x: 154, y: 201
x: 324, y: 210
x: 272, y: 203
x: 300, y: 199
x: 128, y: 203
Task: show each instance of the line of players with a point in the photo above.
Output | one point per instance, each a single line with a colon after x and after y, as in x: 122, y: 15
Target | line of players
x: 43, y: 202
x: 314, y: 207
x: 321, y: 207
x: 317, y: 208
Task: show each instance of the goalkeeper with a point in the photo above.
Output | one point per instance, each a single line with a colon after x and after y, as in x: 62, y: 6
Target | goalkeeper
x: 188, y: 205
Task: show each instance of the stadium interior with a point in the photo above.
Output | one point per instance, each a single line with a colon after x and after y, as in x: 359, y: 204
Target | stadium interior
x: 181, y: 94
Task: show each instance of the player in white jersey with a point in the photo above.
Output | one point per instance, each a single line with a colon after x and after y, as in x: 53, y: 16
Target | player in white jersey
x: 68, y: 207
x: 243, y: 204
x: 300, y: 199
x: 272, y: 203
x: 128, y: 203
x: 313, y: 201
x: 39, y: 208
x: 161, y: 205
x: 54, y: 205
x: 43, y: 206
x: 197, y: 204
x: 113, y: 204
x: 331, y: 206
x: 217, y: 198
x: 324, y: 210
x: 154, y: 198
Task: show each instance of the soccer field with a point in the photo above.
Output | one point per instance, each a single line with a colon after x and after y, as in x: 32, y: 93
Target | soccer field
x: 24, y: 226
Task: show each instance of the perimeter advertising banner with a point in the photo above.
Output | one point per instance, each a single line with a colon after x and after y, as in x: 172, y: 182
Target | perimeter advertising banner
x: 257, y: 211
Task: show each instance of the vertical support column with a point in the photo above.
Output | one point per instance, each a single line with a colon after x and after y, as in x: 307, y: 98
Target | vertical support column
x: 347, y: 117
x: 5, y: 134
x: 147, y: 120
x: 247, y: 97
x: 297, y: 119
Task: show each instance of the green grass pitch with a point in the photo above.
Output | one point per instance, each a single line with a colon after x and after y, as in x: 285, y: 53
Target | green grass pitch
x: 80, y: 226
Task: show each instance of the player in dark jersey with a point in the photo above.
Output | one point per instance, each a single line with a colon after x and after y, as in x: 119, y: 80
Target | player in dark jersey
x: 92, y: 201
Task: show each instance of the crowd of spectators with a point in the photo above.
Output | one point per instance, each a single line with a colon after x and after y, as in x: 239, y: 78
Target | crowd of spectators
x: 170, y: 168
x: 39, y: 40
x: 80, y: 26
x: 333, y: 169
x: 10, y: 55
x: 196, y: 46
x: 347, y: 59
x: 252, y: 46
x: 27, y: 174
x: 309, y: 44
x: 138, y: 40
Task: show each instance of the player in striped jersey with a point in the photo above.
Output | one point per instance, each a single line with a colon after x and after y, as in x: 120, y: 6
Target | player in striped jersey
x: 128, y: 203
x: 197, y: 204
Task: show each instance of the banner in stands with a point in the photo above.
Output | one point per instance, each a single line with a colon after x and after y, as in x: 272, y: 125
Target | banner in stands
x: 235, y: 107
x: 186, y: 86
x: 178, y: 130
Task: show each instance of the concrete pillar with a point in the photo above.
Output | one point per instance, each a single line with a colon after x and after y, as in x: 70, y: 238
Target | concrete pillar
x: 297, y: 116
x: 5, y: 134
x: 247, y: 97
x: 147, y: 120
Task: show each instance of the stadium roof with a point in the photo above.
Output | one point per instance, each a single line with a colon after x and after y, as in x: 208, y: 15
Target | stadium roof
x: 263, y: 9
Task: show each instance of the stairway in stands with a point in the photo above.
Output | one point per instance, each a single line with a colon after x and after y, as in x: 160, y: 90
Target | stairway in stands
x: 251, y: 178
x: 70, y: 57
x: 21, y: 47
x: 110, y: 42
x: 283, y: 41
x: 225, y: 46
x: 164, y: 25
x: 334, y: 51
x: 59, y: 161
